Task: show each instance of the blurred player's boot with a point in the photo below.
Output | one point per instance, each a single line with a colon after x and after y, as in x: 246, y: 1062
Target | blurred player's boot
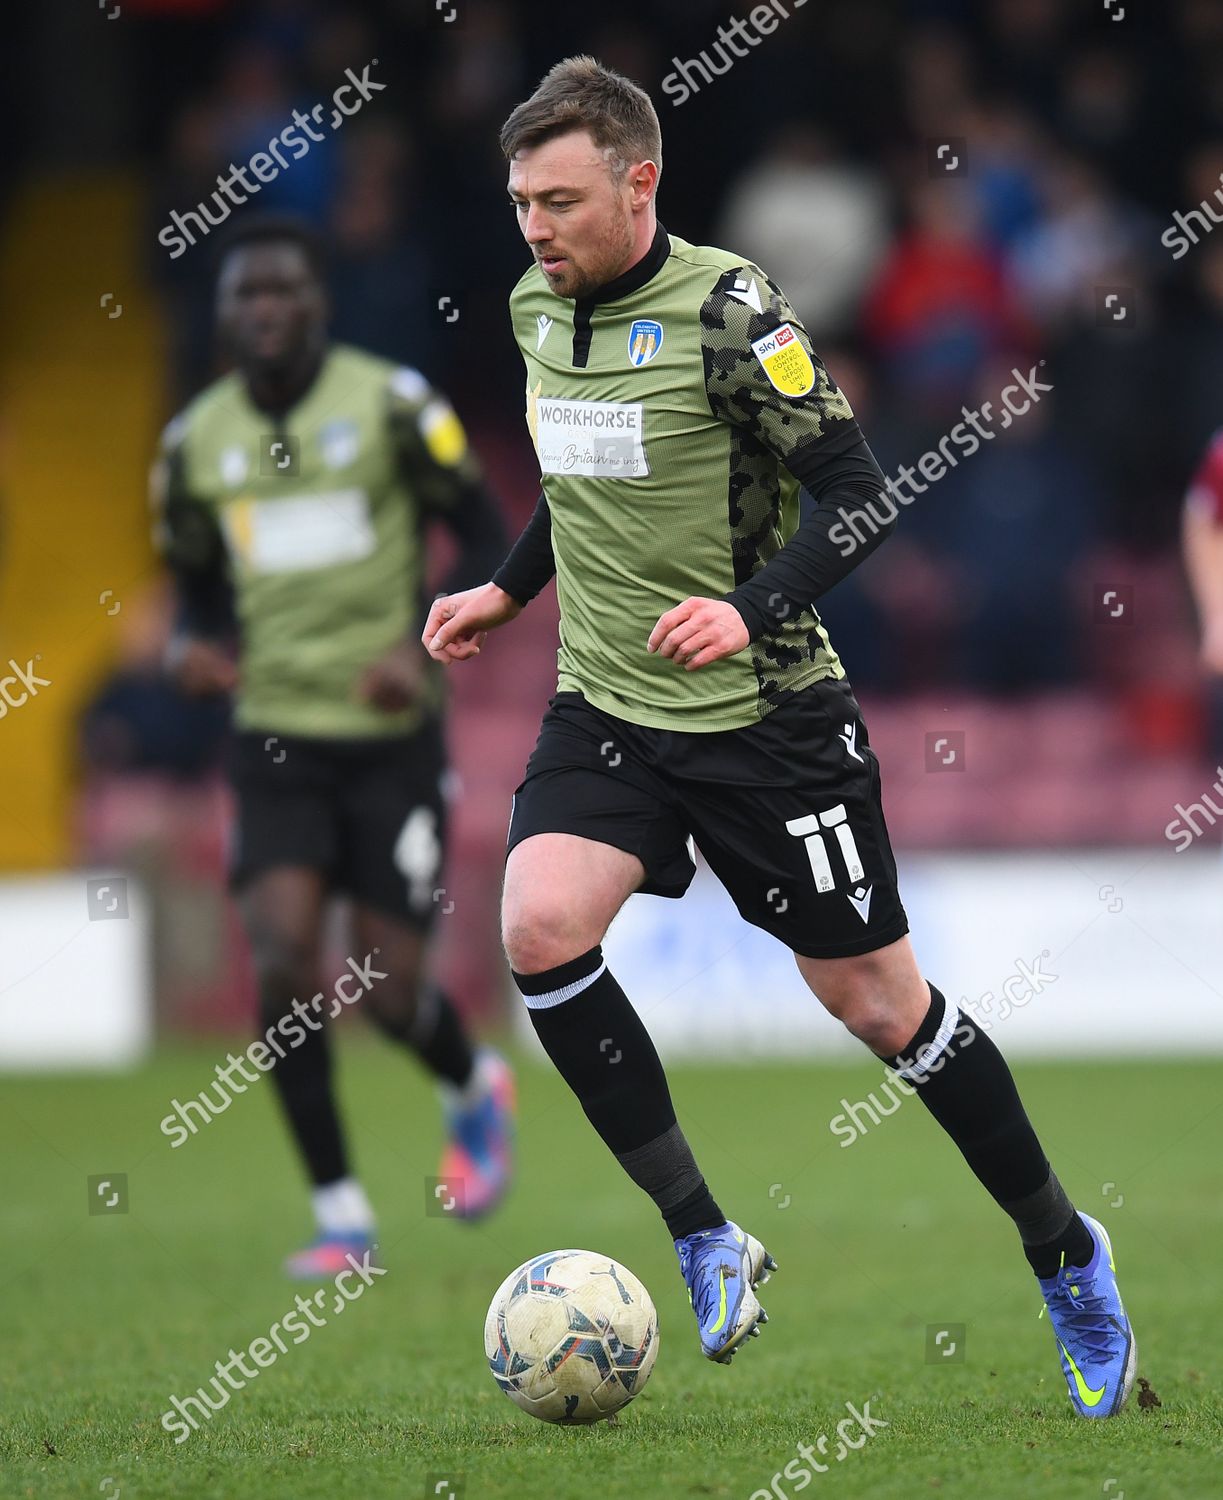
x: 327, y: 1256
x: 722, y: 1268
x: 1093, y: 1334
x: 478, y: 1160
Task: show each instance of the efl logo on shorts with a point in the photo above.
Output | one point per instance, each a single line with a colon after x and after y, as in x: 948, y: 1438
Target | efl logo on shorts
x: 785, y: 361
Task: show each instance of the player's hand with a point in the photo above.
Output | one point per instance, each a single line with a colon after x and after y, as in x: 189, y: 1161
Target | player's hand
x: 1212, y: 646
x: 458, y: 623
x: 201, y: 668
x: 699, y: 631
x: 394, y: 681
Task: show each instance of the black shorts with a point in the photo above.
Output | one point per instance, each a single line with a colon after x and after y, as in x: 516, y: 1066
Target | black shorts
x: 368, y: 814
x: 786, y: 812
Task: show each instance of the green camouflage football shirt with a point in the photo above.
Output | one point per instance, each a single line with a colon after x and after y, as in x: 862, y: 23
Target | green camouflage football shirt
x: 663, y: 410
x: 320, y: 518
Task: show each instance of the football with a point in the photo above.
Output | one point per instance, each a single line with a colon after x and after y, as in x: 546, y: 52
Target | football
x: 571, y: 1336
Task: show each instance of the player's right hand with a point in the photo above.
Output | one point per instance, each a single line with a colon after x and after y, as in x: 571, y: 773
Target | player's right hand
x: 201, y: 668
x: 458, y: 623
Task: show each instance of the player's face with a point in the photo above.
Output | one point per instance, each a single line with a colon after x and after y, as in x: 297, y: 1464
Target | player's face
x: 270, y: 306
x: 574, y: 214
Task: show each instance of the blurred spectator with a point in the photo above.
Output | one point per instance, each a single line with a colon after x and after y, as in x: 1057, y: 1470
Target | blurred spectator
x: 1006, y: 166
x: 378, y: 270
x: 815, y: 223
x: 1025, y: 517
x: 1082, y: 238
x: 940, y: 307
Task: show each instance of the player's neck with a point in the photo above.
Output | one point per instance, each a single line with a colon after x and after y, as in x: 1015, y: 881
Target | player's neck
x: 643, y: 261
x: 277, y: 390
x: 644, y: 232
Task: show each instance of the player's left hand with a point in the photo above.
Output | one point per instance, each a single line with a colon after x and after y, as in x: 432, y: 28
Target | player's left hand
x: 394, y: 681
x: 699, y: 631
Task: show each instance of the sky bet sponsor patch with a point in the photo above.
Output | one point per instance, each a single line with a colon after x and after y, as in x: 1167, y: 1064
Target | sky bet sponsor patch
x: 597, y: 438
x: 785, y: 361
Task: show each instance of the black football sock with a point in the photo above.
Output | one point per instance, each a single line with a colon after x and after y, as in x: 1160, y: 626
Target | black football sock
x: 303, y: 1081
x: 966, y: 1085
x: 599, y: 1046
x: 433, y: 1030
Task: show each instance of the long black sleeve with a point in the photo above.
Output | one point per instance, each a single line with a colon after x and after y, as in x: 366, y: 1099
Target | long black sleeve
x: 531, y: 563
x: 850, y: 518
x: 187, y: 535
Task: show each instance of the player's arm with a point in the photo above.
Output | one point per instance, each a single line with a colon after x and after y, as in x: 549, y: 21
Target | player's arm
x: 763, y: 378
x: 1202, y: 540
x: 200, y: 655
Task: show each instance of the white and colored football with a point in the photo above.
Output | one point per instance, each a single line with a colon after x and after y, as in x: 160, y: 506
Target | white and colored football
x: 571, y: 1336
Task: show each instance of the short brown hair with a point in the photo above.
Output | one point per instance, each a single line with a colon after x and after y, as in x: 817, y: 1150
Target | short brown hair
x: 581, y: 94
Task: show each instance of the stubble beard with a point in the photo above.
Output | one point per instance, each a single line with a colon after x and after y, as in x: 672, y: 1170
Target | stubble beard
x: 611, y: 260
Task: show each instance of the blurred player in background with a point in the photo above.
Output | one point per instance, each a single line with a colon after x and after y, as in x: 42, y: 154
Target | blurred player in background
x: 1203, y: 542
x: 294, y: 494
x: 1202, y: 537
x: 676, y: 405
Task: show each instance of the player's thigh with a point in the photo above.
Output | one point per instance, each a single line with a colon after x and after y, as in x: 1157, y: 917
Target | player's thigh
x: 285, y: 834
x: 561, y: 894
x: 592, y: 822
x: 393, y: 824
x: 788, y: 813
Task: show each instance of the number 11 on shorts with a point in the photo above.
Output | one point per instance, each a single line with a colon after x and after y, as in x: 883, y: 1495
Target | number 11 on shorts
x: 811, y: 830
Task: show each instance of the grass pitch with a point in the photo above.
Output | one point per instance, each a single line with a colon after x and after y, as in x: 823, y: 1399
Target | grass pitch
x: 106, y: 1316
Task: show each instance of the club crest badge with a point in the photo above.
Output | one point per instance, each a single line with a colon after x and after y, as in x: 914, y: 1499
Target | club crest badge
x: 644, y: 341
x: 339, y: 441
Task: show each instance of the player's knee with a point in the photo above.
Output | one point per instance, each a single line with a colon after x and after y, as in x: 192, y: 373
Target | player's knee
x: 542, y: 937
x: 880, y: 1029
x: 394, y: 1005
x: 876, y: 999
x: 868, y: 1012
x: 284, y: 967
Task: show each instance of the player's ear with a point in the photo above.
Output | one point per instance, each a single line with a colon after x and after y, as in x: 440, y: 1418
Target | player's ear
x: 643, y: 182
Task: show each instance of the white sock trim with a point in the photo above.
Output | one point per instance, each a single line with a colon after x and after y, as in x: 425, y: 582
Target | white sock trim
x: 566, y: 992
x: 342, y: 1208
x: 476, y: 1086
x: 933, y: 1050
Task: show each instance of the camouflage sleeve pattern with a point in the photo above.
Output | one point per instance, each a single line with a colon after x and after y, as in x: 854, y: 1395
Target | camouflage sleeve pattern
x: 762, y: 375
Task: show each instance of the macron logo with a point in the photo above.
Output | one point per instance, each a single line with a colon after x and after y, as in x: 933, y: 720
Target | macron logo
x: 545, y: 324
x: 746, y: 291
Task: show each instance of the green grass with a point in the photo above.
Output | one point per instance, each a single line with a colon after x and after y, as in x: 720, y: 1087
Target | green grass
x: 105, y: 1317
